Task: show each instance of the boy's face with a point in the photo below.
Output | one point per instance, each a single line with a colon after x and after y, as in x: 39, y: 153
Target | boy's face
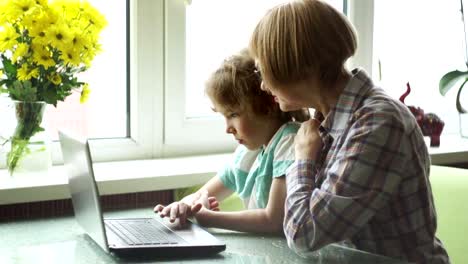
x: 248, y: 129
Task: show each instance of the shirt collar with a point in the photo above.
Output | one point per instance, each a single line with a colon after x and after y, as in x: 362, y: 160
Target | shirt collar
x: 350, y: 99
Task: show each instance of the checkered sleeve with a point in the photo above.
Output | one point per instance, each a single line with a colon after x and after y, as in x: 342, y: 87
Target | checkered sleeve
x: 355, y: 183
x: 300, y: 184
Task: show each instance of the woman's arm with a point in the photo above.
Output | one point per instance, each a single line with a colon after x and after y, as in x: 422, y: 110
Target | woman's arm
x: 268, y: 220
x: 361, y: 177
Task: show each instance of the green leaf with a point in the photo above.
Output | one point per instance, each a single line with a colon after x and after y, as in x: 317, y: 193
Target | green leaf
x: 10, y: 69
x: 460, y: 108
x: 50, y: 97
x: 451, y: 79
x: 23, y: 91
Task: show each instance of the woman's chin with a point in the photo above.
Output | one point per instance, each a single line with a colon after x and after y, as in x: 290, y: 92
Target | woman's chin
x: 287, y: 108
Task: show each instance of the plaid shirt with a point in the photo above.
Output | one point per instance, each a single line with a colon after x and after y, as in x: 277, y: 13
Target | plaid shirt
x: 369, y: 186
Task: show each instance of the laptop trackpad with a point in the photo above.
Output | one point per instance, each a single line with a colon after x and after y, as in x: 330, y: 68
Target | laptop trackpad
x: 194, y: 234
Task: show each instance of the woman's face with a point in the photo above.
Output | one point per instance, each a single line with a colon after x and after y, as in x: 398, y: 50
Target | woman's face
x: 290, y: 97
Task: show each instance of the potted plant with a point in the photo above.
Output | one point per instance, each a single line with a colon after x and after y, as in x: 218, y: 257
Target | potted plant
x: 458, y: 79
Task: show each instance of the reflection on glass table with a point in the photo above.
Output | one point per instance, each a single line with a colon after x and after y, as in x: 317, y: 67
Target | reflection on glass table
x: 61, y: 240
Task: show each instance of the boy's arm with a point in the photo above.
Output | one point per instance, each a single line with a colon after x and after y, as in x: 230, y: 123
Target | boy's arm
x: 268, y: 220
x: 216, y: 188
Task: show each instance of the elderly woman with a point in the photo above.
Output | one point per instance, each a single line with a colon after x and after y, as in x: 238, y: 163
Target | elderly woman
x: 361, y: 170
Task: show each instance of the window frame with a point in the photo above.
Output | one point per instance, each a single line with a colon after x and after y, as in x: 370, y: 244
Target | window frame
x: 158, y: 126
x: 361, y: 15
x: 180, y: 131
x: 144, y: 88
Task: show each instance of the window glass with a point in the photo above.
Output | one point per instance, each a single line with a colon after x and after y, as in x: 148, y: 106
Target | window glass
x: 418, y: 42
x: 216, y: 29
x: 104, y: 115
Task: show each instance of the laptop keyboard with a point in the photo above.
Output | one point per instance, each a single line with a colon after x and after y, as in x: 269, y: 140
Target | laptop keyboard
x: 143, y: 232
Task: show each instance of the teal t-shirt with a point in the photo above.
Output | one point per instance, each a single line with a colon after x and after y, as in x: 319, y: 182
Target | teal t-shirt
x: 250, y: 172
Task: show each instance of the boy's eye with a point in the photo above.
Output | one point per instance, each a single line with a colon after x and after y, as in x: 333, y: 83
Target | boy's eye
x: 233, y: 115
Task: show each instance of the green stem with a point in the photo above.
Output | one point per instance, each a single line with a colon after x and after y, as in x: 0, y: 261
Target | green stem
x: 29, y: 119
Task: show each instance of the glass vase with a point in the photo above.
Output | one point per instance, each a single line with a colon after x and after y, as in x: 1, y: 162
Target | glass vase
x: 29, y: 143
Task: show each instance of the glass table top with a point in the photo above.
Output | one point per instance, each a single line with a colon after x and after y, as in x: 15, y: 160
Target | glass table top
x: 61, y: 240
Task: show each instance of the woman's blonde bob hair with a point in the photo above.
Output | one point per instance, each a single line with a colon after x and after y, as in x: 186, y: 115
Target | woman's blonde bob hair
x: 300, y: 39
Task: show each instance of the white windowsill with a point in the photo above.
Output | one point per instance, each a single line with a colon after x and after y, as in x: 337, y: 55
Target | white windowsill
x: 114, y: 178
x: 453, y: 149
x: 161, y: 174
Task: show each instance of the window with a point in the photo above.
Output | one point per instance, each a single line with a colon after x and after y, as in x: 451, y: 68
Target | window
x: 147, y: 96
x: 418, y: 43
x: 107, y: 78
x: 106, y: 116
x: 199, y: 36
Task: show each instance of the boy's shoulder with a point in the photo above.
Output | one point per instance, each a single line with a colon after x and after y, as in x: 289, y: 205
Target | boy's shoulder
x: 287, y: 129
x: 243, y: 158
x: 283, y: 137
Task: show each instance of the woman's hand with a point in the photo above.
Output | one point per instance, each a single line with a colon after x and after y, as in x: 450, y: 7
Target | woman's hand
x: 307, y: 142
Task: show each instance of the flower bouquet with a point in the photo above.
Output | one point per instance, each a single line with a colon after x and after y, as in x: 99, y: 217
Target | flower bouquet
x: 44, y: 45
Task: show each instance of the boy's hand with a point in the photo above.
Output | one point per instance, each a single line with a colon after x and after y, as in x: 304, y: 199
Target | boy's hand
x: 178, y: 210
x: 210, y: 203
x: 214, y: 204
x: 182, y: 211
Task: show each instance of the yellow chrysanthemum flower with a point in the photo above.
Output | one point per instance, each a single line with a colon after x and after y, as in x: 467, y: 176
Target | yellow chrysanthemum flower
x: 71, y: 57
x: 55, y: 78
x: 85, y: 93
x: 38, y: 32
x: 93, y: 16
x: 27, y: 72
x: 18, y: 8
x: 42, y: 56
x: 20, y: 52
x: 42, y: 3
x: 3, y: 8
x: 8, y: 39
x: 31, y: 21
x: 79, y: 40
x: 59, y: 35
x: 24, y: 6
x: 65, y: 6
x: 90, y: 52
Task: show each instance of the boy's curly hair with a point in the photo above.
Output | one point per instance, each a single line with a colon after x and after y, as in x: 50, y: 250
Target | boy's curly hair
x: 235, y: 85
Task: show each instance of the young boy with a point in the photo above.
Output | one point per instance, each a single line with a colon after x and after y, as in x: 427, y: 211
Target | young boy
x: 256, y: 172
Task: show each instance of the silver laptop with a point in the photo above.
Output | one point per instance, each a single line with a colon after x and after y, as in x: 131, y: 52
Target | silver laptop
x: 125, y: 237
